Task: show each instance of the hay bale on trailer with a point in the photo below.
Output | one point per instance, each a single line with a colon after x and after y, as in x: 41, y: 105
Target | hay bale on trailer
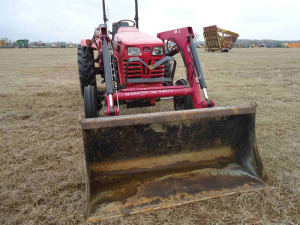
x: 217, y: 39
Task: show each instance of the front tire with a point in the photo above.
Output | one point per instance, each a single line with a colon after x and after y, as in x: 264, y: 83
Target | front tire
x: 168, y: 69
x: 86, y: 67
x: 183, y: 102
x: 90, y: 101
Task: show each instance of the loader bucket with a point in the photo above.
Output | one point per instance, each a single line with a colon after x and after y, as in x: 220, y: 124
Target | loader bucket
x: 145, y: 162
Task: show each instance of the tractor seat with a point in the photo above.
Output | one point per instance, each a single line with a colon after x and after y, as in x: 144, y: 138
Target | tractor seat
x: 115, y: 28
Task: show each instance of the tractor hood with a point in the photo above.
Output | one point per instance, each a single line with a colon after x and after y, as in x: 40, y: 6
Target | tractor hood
x: 131, y: 36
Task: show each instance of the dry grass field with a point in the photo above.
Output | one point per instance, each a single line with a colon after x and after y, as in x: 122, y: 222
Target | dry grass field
x: 42, y: 171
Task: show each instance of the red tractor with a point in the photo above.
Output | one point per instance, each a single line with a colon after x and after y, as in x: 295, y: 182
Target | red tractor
x: 143, y: 162
x: 138, y: 70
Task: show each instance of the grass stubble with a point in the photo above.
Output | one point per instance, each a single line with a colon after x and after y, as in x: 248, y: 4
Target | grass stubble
x: 42, y: 170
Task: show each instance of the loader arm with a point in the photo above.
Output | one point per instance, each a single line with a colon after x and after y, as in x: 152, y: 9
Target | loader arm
x: 105, y: 62
x: 185, y: 45
x: 183, y: 38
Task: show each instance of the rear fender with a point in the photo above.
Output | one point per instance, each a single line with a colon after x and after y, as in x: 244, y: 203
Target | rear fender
x: 85, y: 43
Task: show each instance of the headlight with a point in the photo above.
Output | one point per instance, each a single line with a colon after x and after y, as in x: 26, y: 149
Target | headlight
x: 158, y: 50
x: 134, y: 51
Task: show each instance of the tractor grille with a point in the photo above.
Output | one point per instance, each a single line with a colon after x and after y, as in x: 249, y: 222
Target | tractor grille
x: 135, y: 69
x: 158, y: 71
x: 138, y: 70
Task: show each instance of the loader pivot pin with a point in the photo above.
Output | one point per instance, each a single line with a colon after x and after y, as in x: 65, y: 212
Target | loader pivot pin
x: 208, y: 104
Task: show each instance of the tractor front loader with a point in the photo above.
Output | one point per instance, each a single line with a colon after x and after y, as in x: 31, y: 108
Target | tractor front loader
x: 143, y: 162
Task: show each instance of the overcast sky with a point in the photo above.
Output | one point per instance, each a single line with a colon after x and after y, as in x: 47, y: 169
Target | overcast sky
x: 72, y: 20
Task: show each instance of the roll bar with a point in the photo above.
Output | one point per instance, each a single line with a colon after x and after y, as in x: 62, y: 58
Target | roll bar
x: 136, y: 18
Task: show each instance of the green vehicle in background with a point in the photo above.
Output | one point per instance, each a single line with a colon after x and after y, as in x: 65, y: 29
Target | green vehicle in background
x: 23, y: 43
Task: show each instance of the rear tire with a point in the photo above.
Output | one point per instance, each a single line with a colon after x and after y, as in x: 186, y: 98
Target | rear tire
x: 90, y: 101
x: 86, y: 67
x: 183, y: 102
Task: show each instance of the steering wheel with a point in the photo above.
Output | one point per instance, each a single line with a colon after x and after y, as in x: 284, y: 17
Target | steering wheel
x: 125, y: 21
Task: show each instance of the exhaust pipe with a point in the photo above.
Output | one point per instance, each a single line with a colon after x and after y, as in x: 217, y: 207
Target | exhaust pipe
x: 104, y: 12
x: 136, y: 18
